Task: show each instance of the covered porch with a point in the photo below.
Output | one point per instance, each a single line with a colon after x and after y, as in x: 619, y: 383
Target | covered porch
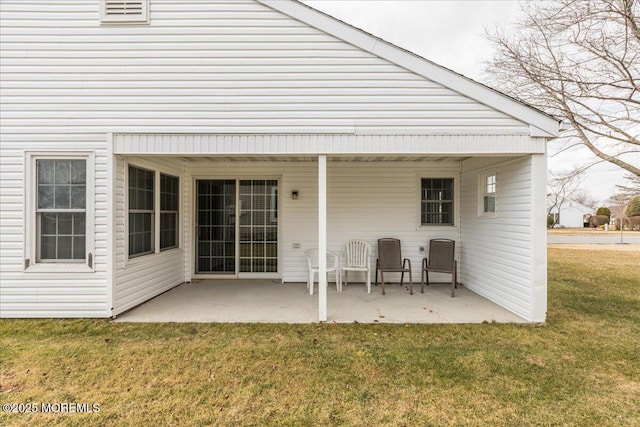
x: 250, y: 211
x: 269, y: 301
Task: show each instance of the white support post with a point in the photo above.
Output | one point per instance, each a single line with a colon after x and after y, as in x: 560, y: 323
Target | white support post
x: 538, y: 237
x: 322, y: 237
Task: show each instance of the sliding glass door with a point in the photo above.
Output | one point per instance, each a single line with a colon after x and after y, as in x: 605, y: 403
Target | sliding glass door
x: 225, y: 246
x: 216, y: 226
x: 258, y: 226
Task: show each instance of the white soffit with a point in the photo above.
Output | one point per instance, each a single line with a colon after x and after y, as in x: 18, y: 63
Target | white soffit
x: 421, y: 66
x: 266, y: 144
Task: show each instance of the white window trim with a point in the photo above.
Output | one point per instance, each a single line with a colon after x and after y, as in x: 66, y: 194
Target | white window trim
x: 482, y: 181
x: 456, y: 200
x: 154, y: 219
x: 157, y: 169
x: 160, y: 211
x: 141, y: 19
x: 31, y: 202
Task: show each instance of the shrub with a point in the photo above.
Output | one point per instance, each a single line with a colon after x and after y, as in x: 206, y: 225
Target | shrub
x: 634, y: 207
x: 549, y: 221
x: 598, y: 220
x: 634, y: 223
x: 604, y: 211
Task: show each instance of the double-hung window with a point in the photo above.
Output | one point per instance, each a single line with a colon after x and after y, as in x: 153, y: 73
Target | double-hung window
x: 141, y: 211
x: 153, y: 211
x: 487, y: 202
x: 437, y: 201
x: 168, y: 211
x: 61, y: 210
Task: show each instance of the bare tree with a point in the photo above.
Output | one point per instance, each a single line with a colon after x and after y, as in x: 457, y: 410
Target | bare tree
x: 621, y: 199
x: 585, y: 198
x: 561, y: 187
x: 631, y: 189
x: 578, y: 60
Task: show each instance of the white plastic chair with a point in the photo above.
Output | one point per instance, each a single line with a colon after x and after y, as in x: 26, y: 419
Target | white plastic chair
x: 356, y: 257
x: 332, y: 265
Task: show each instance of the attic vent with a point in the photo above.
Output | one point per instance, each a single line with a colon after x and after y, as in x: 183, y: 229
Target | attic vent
x: 124, y: 11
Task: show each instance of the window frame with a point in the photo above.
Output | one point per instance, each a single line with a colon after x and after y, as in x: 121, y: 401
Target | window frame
x: 456, y: 198
x: 141, y: 19
x: 32, y: 216
x: 482, y: 193
x: 169, y: 212
x: 157, y: 171
x: 151, y: 212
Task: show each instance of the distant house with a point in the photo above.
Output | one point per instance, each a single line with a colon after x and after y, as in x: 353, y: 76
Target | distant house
x: 573, y: 215
x: 150, y: 143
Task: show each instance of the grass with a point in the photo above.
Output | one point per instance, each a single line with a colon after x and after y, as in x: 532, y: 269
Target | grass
x: 581, y: 368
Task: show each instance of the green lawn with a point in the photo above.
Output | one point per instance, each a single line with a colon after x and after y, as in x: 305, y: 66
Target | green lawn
x: 581, y: 368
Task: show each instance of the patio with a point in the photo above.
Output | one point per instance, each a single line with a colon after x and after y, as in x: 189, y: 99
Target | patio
x: 269, y: 301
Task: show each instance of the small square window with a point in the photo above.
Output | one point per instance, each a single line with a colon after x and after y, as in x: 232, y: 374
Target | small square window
x: 487, y: 193
x: 436, y: 201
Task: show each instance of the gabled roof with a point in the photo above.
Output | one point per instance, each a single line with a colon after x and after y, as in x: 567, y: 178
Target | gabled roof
x: 541, y: 123
x: 579, y: 206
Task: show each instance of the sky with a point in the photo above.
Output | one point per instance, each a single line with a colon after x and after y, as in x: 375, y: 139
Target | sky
x: 451, y: 33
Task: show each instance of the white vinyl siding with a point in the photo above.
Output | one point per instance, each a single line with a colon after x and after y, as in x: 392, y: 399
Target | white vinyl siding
x: 50, y: 290
x: 141, y: 278
x: 496, y: 254
x: 212, y: 67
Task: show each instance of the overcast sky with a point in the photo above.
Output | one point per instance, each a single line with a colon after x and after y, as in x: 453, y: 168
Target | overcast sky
x: 451, y: 33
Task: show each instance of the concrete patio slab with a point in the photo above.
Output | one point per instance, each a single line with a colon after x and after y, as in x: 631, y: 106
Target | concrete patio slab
x: 269, y: 301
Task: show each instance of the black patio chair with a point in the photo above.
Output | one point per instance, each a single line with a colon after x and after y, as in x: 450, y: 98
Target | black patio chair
x: 441, y: 259
x: 390, y: 260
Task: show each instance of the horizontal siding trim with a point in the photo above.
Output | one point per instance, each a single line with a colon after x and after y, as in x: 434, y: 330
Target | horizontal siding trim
x: 205, y: 144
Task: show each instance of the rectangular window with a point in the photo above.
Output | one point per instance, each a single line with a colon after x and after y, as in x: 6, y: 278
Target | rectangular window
x: 488, y: 193
x: 436, y: 199
x: 169, y: 186
x: 124, y: 11
x: 141, y: 211
x: 61, y: 210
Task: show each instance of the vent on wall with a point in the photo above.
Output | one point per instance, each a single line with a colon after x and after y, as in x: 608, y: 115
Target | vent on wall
x: 124, y: 11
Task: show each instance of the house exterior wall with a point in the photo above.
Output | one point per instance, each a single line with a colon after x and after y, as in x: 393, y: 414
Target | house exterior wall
x: 572, y: 214
x: 69, y: 83
x: 211, y: 67
x: 51, y: 291
x: 499, y: 254
x: 141, y: 278
x: 365, y: 200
